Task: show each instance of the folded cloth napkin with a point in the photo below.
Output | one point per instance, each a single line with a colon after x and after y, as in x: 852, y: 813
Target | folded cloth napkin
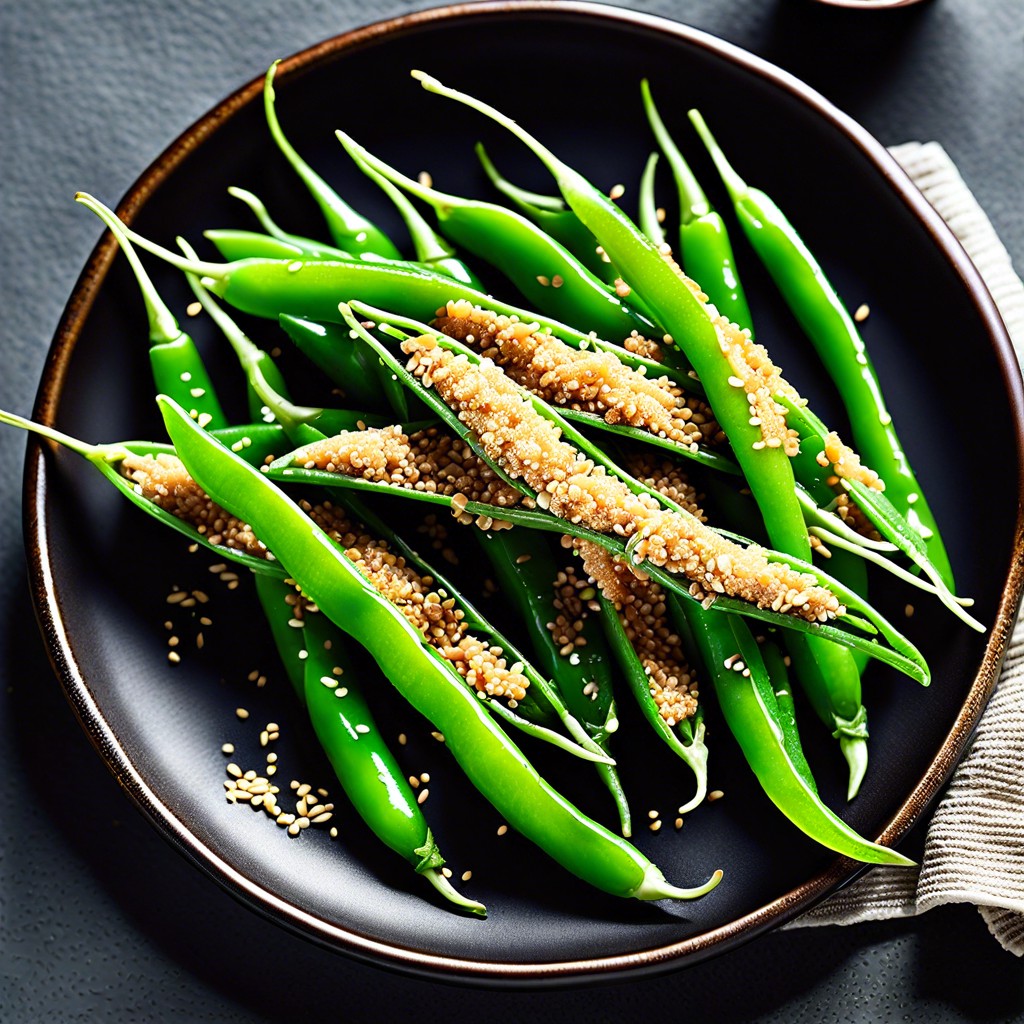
x: 974, y: 850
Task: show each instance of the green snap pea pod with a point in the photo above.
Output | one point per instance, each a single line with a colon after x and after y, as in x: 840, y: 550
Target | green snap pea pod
x: 828, y: 671
x: 175, y: 362
x: 274, y: 595
x: 361, y: 378
x: 686, y: 738
x: 350, y: 230
x: 750, y: 708
x: 704, y: 247
x: 647, y: 206
x: 903, y: 653
x: 884, y: 516
x: 489, y: 758
x: 367, y: 770
x: 526, y: 572
x: 834, y: 334
x: 777, y: 667
x: 553, y: 217
x: 308, y: 246
x: 548, y: 275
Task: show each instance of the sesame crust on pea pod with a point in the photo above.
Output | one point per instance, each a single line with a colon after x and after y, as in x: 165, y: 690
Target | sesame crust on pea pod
x: 470, y: 645
x: 489, y: 758
x: 534, y: 415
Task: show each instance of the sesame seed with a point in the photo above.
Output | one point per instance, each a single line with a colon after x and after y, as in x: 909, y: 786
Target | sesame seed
x: 424, y: 793
x: 655, y: 826
x: 192, y: 309
x: 173, y: 657
x: 617, y: 192
x: 863, y: 312
x: 227, y: 748
x: 502, y: 829
x: 467, y: 875
x: 908, y: 611
x: 402, y: 739
x: 715, y: 794
x: 362, y: 729
x: 242, y: 713
x: 679, y: 822
x: 652, y: 814
x: 439, y: 736
x: 334, y: 833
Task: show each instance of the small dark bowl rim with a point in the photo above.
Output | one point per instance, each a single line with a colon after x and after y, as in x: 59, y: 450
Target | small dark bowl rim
x: 411, y: 961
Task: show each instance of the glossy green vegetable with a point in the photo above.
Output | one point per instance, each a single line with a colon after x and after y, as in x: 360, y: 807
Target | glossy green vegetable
x: 705, y: 251
x: 828, y: 671
x: 526, y: 571
x: 177, y: 367
x: 350, y: 230
x: 367, y: 770
x: 488, y: 757
x: 548, y: 275
x: 834, y: 334
x: 752, y: 711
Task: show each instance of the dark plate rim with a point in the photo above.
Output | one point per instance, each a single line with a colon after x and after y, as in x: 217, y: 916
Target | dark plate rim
x: 363, y: 947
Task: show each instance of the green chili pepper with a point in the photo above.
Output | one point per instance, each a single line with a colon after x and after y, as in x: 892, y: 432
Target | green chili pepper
x: 704, y: 247
x: 350, y: 230
x: 750, y: 707
x: 174, y: 359
x: 822, y: 667
x: 546, y: 273
x: 372, y: 779
x: 834, y: 334
x: 487, y: 756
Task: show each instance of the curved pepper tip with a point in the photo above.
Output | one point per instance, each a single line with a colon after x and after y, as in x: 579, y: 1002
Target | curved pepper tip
x: 655, y: 887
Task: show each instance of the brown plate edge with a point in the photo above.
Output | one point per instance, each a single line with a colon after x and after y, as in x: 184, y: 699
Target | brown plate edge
x: 363, y: 947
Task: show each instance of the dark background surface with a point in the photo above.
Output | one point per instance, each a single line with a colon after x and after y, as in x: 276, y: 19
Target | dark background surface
x: 101, y: 920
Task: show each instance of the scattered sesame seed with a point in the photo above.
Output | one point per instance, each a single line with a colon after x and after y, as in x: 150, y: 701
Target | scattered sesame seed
x: 362, y: 729
x: 227, y: 748
x: 173, y: 657
x: 502, y: 829
x: 242, y: 713
x: 447, y: 872
x: 192, y: 309
x: 425, y: 179
x: 334, y: 832
x: 679, y: 822
x: 439, y: 736
x: 863, y: 312
x: 617, y: 192
x: 467, y: 875
x: 402, y: 739
x: 652, y: 814
x: 424, y: 793
x: 715, y: 794
x: 655, y: 825
x: 908, y: 611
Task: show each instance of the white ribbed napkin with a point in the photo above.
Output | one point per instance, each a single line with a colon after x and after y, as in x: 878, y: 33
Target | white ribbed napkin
x: 974, y: 851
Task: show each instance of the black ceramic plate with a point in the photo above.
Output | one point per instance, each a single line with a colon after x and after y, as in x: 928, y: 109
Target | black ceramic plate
x: 570, y: 72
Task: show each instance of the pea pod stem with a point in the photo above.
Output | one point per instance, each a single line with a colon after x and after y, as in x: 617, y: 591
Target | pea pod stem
x: 350, y: 230
x: 486, y: 754
x: 174, y: 359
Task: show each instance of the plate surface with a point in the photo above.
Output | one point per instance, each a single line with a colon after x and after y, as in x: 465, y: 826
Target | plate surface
x: 571, y: 74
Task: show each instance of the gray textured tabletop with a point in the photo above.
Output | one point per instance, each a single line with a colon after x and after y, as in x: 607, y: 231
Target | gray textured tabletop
x: 126, y: 930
